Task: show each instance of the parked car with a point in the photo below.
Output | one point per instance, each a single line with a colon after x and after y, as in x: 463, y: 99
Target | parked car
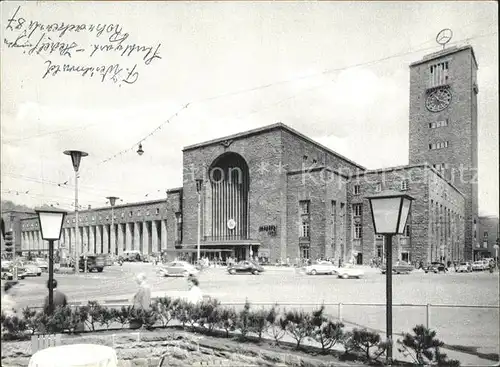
x: 320, y: 267
x: 479, y: 265
x: 176, y: 268
x: 42, y: 264
x: 245, y: 266
x: 349, y: 272
x: 32, y: 269
x: 8, y: 272
x: 94, y: 263
x: 436, y: 267
x: 132, y: 255
x: 464, y: 267
x: 400, y: 267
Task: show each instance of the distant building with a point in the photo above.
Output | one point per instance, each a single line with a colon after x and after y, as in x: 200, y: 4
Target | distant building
x: 489, y: 235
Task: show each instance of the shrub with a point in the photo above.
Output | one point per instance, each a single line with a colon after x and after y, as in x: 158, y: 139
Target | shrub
x: 14, y: 326
x: 243, y: 323
x: 363, y: 340
x: 123, y: 315
x: 164, y: 307
x: 277, y: 324
x: 326, y: 332
x: 31, y: 319
x: 258, y: 322
x: 227, y: 320
x: 105, y: 317
x: 299, y: 325
x: 424, y: 348
x: 93, y: 310
x: 147, y: 318
x: 61, y: 320
x: 209, y: 313
x: 182, y: 311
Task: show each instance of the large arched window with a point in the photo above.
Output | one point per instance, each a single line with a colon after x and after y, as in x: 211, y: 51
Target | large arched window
x: 229, y: 181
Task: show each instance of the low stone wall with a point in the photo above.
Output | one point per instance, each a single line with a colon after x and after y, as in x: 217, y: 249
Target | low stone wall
x: 145, y: 348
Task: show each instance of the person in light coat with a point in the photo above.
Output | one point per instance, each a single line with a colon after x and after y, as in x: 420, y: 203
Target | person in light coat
x: 194, y: 295
x: 142, y: 299
x: 9, y: 304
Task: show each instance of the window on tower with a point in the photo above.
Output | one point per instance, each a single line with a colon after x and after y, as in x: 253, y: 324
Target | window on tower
x: 438, y: 74
x: 436, y: 124
x: 438, y: 145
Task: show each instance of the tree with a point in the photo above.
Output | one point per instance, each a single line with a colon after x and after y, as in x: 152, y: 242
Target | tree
x: 424, y: 348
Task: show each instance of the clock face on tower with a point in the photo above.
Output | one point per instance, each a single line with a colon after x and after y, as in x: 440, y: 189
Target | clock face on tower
x: 438, y: 100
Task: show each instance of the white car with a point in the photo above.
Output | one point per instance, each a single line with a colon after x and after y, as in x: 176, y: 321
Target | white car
x: 42, y: 264
x: 32, y: 269
x: 176, y: 268
x: 320, y: 267
x: 349, y: 272
x: 479, y: 265
x: 464, y: 268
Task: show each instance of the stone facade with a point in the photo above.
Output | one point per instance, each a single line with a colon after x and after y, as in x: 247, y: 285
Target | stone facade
x: 421, y: 237
x: 459, y: 131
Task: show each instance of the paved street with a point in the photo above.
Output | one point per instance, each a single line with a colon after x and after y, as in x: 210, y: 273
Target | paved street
x: 470, y: 327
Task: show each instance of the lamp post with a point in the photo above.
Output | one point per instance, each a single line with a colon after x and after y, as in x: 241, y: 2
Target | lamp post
x: 199, y: 183
x: 390, y: 211
x: 51, y: 221
x: 112, y: 201
x: 76, y: 157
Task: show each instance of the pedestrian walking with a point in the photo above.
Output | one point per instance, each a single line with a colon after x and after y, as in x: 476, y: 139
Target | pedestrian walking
x: 9, y: 304
x: 142, y: 298
x: 194, y: 295
x: 58, y: 300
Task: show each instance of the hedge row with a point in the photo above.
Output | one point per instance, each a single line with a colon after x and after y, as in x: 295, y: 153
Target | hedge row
x: 210, y: 316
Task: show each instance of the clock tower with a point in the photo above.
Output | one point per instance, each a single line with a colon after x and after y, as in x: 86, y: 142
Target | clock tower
x: 443, y: 125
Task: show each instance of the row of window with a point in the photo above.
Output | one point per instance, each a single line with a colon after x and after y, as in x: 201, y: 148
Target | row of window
x: 357, y: 211
x: 378, y: 187
x: 438, y: 145
x: 436, y: 124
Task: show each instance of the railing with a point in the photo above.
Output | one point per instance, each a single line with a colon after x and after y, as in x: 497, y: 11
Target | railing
x: 338, y: 306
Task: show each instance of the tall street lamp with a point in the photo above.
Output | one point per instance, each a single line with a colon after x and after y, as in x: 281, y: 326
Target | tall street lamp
x: 76, y: 157
x: 112, y: 201
x: 390, y: 211
x: 199, y: 183
x: 51, y: 221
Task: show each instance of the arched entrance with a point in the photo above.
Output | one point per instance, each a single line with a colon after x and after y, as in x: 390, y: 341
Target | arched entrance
x: 229, y: 183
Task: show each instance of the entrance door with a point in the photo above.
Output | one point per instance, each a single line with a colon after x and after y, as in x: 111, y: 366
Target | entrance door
x: 240, y: 253
x: 359, y: 259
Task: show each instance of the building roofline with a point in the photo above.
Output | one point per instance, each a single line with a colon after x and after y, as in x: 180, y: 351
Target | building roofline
x: 175, y: 189
x: 18, y: 211
x: 317, y: 169
x: 100, y: 209
x: 264, y: 129
x: 445, y: 52
x: 406, y: 167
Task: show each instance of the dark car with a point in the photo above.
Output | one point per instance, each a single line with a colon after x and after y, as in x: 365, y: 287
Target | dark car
x: 399, y: 268
x: 94, y: 262
x: 436, y: 267
x: 245, y: 266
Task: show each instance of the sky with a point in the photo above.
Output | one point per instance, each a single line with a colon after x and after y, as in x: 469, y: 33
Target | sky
x: 337, y: 72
